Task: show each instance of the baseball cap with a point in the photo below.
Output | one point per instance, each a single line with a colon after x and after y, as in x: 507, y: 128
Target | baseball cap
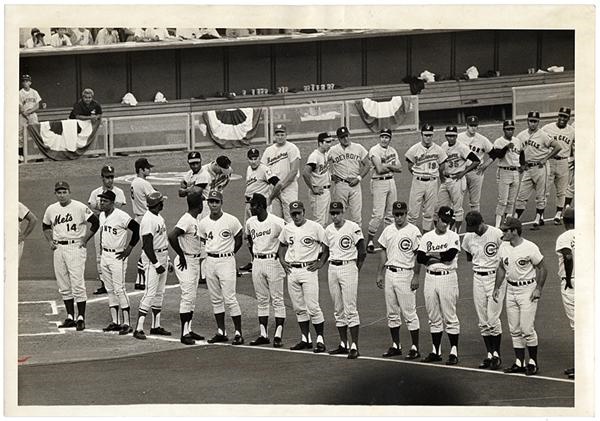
x: 533, y: 115
x: 336, y: 207
x: 35, y: 31
x: 109, y: 195
x: 253, y: 153
x: 296, y: 206
x: 569, y: 215
x: 384, y: 132
x: 427, y: 128
x: 451, y: 130
x: 446, y: 214
x: 154, y: 199
x: 62, y: 185
x: 215, y: 195
x: 473, y: 219
x: 259, y: 199
x: 564, y: 111
x: 194, y: 156
x: 107, y: 170
x: 223, y: 162
x: 399, y: 207
x: 27, y: 77
x: 142, y: 163
x: 472, y: 120
x: 510, y: 223
x: 323, y: 136
x: 342, y: 131
x: 280, y: 128
x: 508, y: 124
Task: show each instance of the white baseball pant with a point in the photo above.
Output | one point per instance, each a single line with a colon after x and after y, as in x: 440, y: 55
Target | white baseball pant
x: 113, y: 276
x: 508, y: 185
x: 568, y: 299
x: 474, y: 185
x: 319, y: 203
x: 423, y: 195
x: 303, y: 287
x: 267, y: 278
x: 21, y: 244
x: 571, y: 186
x: 452, y: 193
x: 351, y: 198
x: 400, y: 301
x: 23, y: 122
x: 520, y: 312
x: 98, y: 255
x: 488, y: 311
x: 343, y: 287
x: 384, y: 195
x: 441, y: 294
x: 69, y: 268
x: 558, y: 174
x: 188, y: 281
x: 281, y: 205
x: 534, y: 179
x: 155, y: 282
x: 221, y: 279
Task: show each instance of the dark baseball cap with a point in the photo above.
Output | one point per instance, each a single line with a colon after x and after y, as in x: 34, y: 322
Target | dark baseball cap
x: 194, y: 156
x: 107, y: 170
x: 154, y: 199
x: 336, y: 207
x: 253, y: 153
x: 427, y: 128
x: 223, y: 162
x: 510, y: 223
x: 569, y: 215
x: 62, y: 185
x: 215, y: 195
x: 533, y: 115
x: 280, y: 128
x: 472, y: 120
x: 564, y: 111
x: 342, y: 131
x: 473, y: 220
x: 508, y: 124
x: 399, y: 207
x: 35, y: 31
x: 386, y: 132
x: 323, y: 136
x: 451, y: 131
x: 446, y: 214
x: 26, y: 77
x: 142, y: 163
x: 109, y: 195
x: 296, y: 206
x: 259, y: 200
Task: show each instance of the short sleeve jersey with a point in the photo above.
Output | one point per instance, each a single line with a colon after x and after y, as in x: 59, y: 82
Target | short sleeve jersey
x: 565, y: 241
x: 479, y: 144
x: 536, y: 145
x: 426, y: 161
x: 511, y: 158
x: 433, y: 244
x: 154, y: 225
x: 257, y: 181
x: 189, y: 241
x: 191, y: 179
x: 342, y: 242
x: 345, y: 162
x: 401, y: 245
x: 219, y: 235
x: 29, y: 99
x: 457, y: 157
x: 140, y: 188
x: 319, y: 162
x: 484, y: 248
x: 279, y: 159
x: 113, y: 229
x: 212, y: 180
x: 265, y: 234
x: 67, y: 222
x: 565, y: 138
x: 386, y: 156
x: 304, y: 242
x: 94, y: 201
x: 519, y: 261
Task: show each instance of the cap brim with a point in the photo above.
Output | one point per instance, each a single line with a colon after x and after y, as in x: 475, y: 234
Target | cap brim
x: 297, y: 210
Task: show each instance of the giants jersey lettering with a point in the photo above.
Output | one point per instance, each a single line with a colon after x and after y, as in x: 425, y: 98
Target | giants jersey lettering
x: 192, y: 179
x: 511, y: 158
x: 280, y: 158
x: 519, y: 261
x: 478, y: 143
x: 94, y: 201
x: 565, y: 241
x: 320, y: 176
x: 304, y: 242
x: 67, y: 222
x: 433, y: 244
x: 257, y: 181
x: 345, y: 162
x: 426, y: 161
x: 484, y: 248
x: 386, y: 156
x: 342, y: 242
x: 140, y: 188
x: 113, y: 229
x: 400, y: 245
x: 219, y: 235
x: 565, y: 138
x: 212, y: 180
x: 265, y: 234
x: 189, y: 241
x: 154, y: 225
x: 536, y: 145
x: 457, y: 157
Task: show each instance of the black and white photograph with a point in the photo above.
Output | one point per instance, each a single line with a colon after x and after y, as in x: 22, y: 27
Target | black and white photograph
x: 303, y: 210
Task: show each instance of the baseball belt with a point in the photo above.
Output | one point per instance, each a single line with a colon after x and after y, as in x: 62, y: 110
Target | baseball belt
x: 192, y: 255
x: 341, y: 262
x: 489, y: 272
x: 387, y: 177
x: 398, y: 269
x: 509, y: 168
x: 535, y: 164
x: 323, y: 187
x: 217, y: 255
x: 560, y: 158
x: 426, y: 178
x: 110, y: 250
x: 265, y: 256
x: 64, y: 242
x: 300, y: 264
x: 161, y: 250
x: 439, y: 272
x: 520, y: 283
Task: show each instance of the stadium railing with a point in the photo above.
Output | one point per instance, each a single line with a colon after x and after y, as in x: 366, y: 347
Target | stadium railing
x: 546, y: 99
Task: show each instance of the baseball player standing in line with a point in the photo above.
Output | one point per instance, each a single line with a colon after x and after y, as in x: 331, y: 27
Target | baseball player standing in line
x: 481, y: 243
x: 522, y: 265
x: 571, y: 186
x: 399, y: 243
x: 438, y: 251
x: 262, y: 231
x: 190, y: 178
x: 537, y: 148
x: 64, y: 226
x: 383, y: 186
x: 317, y: 178
x: 453, y: 188
x: 185, y: 241
x: 155, y: 247
x: 29, y: 103
x: 480, y: 145
x: 25, y: 215
x: 140, y: 190
x: 426, y: 162
x: 107, y: 173
x: 283, y: 159
x: 349, y: 164
x: 299, y: 247
x: 345, y: 248
x: 222, y: 234
x: 114, y: 224
x: 558, y: 166
x: 565, y: 248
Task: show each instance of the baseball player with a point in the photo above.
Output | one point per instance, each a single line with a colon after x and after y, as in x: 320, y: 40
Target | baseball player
x: 558, y: 166
x: 114, y: 224
x: 316, y: 176
x: 64, y: 226
x: 107, y: 173
x: 262, y: 231
x: 453, y: 188
x: 155, y: 248
x: 283, y: 159
x: 537, y: 148
x: 481, y: 243
x: 426, y: 162
x: 400, y: 275
x: 565, y: 248
x: 344, y: 246
x: 25, y: 215
x: 222, y: 234
x: 190, y: 178
x: 481, y: 146
x: 438, y: 251
x: 140, y: 190
x: 185, y: 240
x: 349, y: 164
x: 383, y: 186
x: 571, y: 186
x: 299, y: 247
x: 29, y: 103
x: 522, y: 265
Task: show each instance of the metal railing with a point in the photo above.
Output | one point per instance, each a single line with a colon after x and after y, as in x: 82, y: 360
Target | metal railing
x: 546, y: 98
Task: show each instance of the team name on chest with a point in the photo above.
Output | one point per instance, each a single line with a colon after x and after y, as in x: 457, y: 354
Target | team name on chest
x: 436, y: 247
x: 389, y: 159
x: 475, y: 149
x: 255, y: 234
x: 161, y: 229
x: 562, y: 138
x: 426, y: 157
x: 532, y: 143
x: 277, y: 158
x: 345, y: 156
x: 108, y: 229
x: 63, y: 219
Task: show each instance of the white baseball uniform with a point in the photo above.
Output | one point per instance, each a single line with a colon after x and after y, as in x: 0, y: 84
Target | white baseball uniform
x: 320, y: 178
x: 480, y: 145
x: 558, y: 166
x: 27, y: 100
x: 257, y: 181
x: 566, y: 241
x: 507, y: 175
x: 190, y: 244
x: 155, y: 282
x: 279, y: 159
x: 140, y: 188
x: 452, y: 190
x: 23, y: 211
x: 345, y: 163
x: 383, y: 188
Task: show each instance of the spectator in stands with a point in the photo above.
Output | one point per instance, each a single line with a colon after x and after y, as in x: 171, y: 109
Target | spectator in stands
x: 150, y: 34
x: 36, y: 40
x: 86, y: 108
x: 29, y: 103
x: 208, y: 33
x: 107, y: 36
x: 60, y: 38
x: 239, y: 33
x: 81, y: 36
x: 126, y: 34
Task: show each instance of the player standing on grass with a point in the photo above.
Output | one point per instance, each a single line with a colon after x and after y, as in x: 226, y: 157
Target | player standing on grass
x: 317, y: 178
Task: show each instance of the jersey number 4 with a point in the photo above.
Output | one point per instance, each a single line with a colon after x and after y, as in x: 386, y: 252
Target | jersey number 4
x: 210, y: 235
x: 71, y: 227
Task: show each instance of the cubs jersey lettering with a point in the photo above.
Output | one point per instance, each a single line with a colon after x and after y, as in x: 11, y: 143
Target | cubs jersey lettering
x: 433, y: 244
x: 457, y: 157
x: 426, y: 161
x: 67, y: 222
x: 345, y: 162
x: 265, y: 234
x: 280, y: 158
x: 28, y: 99
x: 536, y: 145
x: 257, y: 181
x: 320, y: 176
x: 342, y: 242
x: 519, y: 261
x: 113, y: 229
x: 511, y: 158
x: 304, y: 242
x: 140, y: 188
x: 484, y: 248
x: 565, y: 241
x: 401, y: 245
x: 212, y: 180
x: 565, y: 138
x: 479, y: 144
x: 94, y: 201
x: 386, y: 156
x: 154, y: 225
x: 219, y: 235
x: 189, y: 241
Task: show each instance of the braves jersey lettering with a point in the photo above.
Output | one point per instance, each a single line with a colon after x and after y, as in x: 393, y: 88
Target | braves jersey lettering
x: 154, y: 225
x: 265, y: 234
x: 113, y: 229
x: 219, y: 235
x: 484, y: 248
x: 346, y: 162
x: 433, y: 243
x: 342, y: 242
x: 400, y: 245
x: 280, y: 158
x: 304, y: 242
x: 189, y: 241
x: 519, y: 261
x: 426, y: 161
x: 478, y: 143
x: 565, y: 241
x: 67, y: 222
x: 565, y: 137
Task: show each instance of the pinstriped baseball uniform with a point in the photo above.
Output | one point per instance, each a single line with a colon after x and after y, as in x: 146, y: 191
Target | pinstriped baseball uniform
x: 484, y: 250
x: 279, y: 159
x: 267, y: 274
x: 400, y: 245
x: 320, y: 177
x: 345, y: 163
x: 507, y: 175
x: 383, y: 188
x: 343, y: 271
x: 452, y: 191
x: 190, y: 244
x: 480, y: 145
x: 566, y: 240
x: 155, y: 282
x: 558, y: 166
x: 257, y: 181
x: 213, y: 181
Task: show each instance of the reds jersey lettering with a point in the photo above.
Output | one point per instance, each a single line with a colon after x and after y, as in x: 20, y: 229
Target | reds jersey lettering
x: 519, y: 262
x: 219, y: 235
x: 304, y: 242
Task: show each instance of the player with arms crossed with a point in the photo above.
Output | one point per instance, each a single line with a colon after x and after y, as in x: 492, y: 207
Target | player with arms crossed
x: 25, y: 215
x: 190, y: 178
x: 316, y: 176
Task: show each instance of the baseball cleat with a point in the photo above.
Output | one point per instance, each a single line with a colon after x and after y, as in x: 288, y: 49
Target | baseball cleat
x: 571, y: 376
x: 569, y: 371
x: 187, y: 340
x: 353, y: 354
x: 413, y: 354
x: 202, y: 281
x: 246, y: 268
x: 100, y: 291
x: 496, y: 363
x: 301, y: 345
x: 339, y: 350
x: 140, y: 287
x: 486, y: 363
x: 261, y: 340
x: 319, y: 348
x: 218, y: 338
x: 238, y: 340
x: 531, y: 369
x: 535, y: 226
x: 452, y: 360
x: 80, y: 325
x: 557, y: 220
x: 196, y: 337
x: 125, y: 329
x: 392, y: 352
x: 277, y: 342
x: 432, y: 357
x: 159, y: 331
x: 112, y: 327
x: 371, y: 248
x: 68, y: 323
x: 139, y: 334
x: 514, y: 369
x: 542, y: 222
